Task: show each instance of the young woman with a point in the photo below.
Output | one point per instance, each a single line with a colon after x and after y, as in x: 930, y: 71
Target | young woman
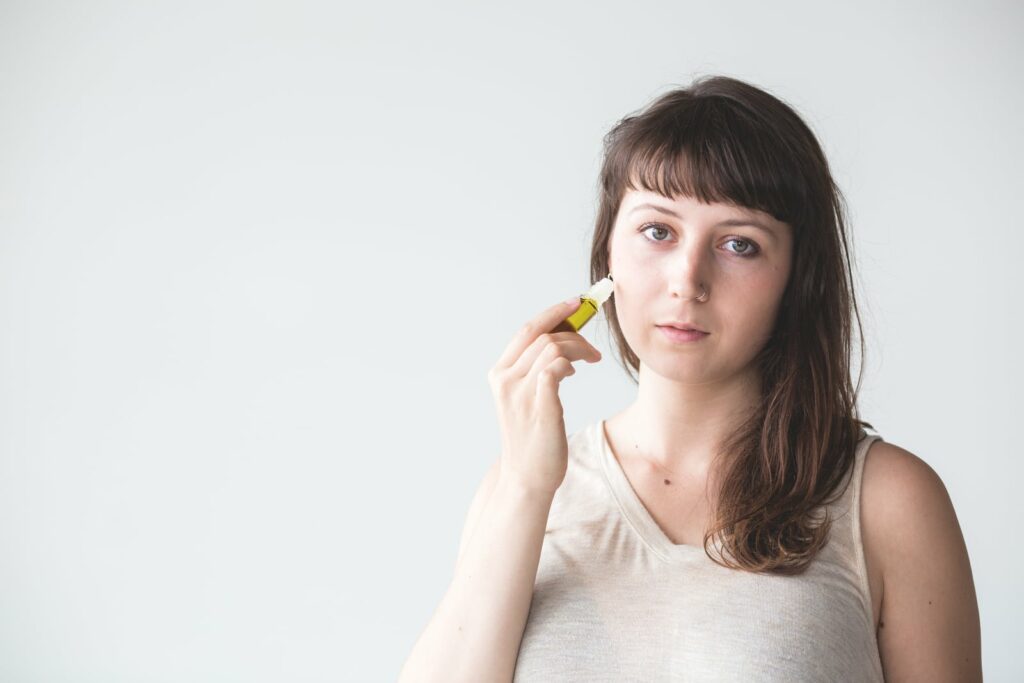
x: 737, y: 521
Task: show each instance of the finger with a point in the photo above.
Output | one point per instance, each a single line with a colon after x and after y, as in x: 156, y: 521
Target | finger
x: 532, y: 329
x: 548, y: 379
x: 569, y: 345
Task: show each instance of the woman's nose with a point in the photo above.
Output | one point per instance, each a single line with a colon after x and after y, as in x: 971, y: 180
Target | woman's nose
x: 688, y: 276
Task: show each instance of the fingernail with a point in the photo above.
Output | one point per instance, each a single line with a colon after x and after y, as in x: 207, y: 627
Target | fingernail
x: 573, y: 300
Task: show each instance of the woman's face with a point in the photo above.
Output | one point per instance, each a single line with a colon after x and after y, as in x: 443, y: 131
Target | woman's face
x: 659, y: 260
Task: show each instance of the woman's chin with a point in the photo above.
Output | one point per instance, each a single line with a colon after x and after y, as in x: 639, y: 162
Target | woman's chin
x: 681, y: 370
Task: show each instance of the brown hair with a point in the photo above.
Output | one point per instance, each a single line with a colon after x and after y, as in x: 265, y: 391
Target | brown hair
x: 724, y: 140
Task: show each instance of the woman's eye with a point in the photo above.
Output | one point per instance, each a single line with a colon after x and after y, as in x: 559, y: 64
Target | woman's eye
x: 653, y: 226
x: 747, y: 247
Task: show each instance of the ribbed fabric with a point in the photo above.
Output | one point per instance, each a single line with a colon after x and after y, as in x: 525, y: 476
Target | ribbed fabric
x: 616, y: 600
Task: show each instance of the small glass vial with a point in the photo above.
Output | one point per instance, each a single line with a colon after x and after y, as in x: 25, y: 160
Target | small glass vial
x: 590, y: 304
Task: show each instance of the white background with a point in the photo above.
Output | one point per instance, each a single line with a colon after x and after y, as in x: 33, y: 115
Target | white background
x: 257, y: 258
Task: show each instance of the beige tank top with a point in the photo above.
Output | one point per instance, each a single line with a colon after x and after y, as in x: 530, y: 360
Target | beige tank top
x: 616, y: 600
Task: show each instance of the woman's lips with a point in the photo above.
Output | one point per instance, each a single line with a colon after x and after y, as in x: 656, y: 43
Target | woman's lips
x: 677, y: 335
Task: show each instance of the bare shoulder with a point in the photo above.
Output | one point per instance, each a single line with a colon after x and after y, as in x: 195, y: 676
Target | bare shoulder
x: 929, y: 628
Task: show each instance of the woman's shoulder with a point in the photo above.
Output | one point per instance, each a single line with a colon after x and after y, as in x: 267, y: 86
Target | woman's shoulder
x: 896, y: 486
x: 913, y: 540
x: 903, y: 500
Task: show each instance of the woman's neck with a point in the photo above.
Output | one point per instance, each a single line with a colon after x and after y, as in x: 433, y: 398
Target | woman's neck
x: 680, y: 428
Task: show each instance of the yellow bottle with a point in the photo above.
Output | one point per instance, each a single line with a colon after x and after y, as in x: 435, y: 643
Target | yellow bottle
x: 591, y: 302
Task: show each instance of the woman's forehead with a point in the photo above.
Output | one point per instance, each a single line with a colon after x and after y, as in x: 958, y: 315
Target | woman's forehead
x: 635, y: 200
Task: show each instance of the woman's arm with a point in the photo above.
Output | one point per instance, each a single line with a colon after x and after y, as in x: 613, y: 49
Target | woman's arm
x: 929, y: 628
x: 474, y: 634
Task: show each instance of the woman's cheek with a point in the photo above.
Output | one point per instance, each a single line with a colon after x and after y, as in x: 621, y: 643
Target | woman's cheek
x: 765, y: 321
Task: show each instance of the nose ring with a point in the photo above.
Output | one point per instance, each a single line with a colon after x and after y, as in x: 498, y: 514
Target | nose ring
x: 703, y: 293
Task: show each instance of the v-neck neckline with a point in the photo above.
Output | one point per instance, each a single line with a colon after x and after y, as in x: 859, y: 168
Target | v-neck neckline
x: 634, y: 510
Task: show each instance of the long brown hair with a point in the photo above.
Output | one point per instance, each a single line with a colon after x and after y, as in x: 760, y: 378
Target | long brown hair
x: 724, y: 140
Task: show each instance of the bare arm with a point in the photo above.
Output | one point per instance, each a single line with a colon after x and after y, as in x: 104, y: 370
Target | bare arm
x: 474, y: 634
x: 929, y: 628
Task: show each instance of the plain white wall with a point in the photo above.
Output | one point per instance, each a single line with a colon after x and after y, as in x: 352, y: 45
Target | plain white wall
x: 257, y: 258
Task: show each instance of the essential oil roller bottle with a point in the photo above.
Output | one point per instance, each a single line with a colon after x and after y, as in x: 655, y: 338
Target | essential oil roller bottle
x: 590, y: 304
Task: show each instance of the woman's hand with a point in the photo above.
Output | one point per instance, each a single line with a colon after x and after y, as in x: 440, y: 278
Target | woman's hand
x: 524, y: 382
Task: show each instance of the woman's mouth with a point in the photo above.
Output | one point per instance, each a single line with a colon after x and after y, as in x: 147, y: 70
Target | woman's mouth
x: 675, y: 334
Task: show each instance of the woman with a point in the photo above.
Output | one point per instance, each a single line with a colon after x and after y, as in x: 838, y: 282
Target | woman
x: 736, y: 521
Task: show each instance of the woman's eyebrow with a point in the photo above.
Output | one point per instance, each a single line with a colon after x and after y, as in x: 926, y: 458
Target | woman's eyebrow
x: 731, y: 222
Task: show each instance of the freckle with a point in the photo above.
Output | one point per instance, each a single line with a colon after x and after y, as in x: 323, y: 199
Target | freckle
x: 667, y: 482
x: 929, y: 602
x: 881, y: 624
